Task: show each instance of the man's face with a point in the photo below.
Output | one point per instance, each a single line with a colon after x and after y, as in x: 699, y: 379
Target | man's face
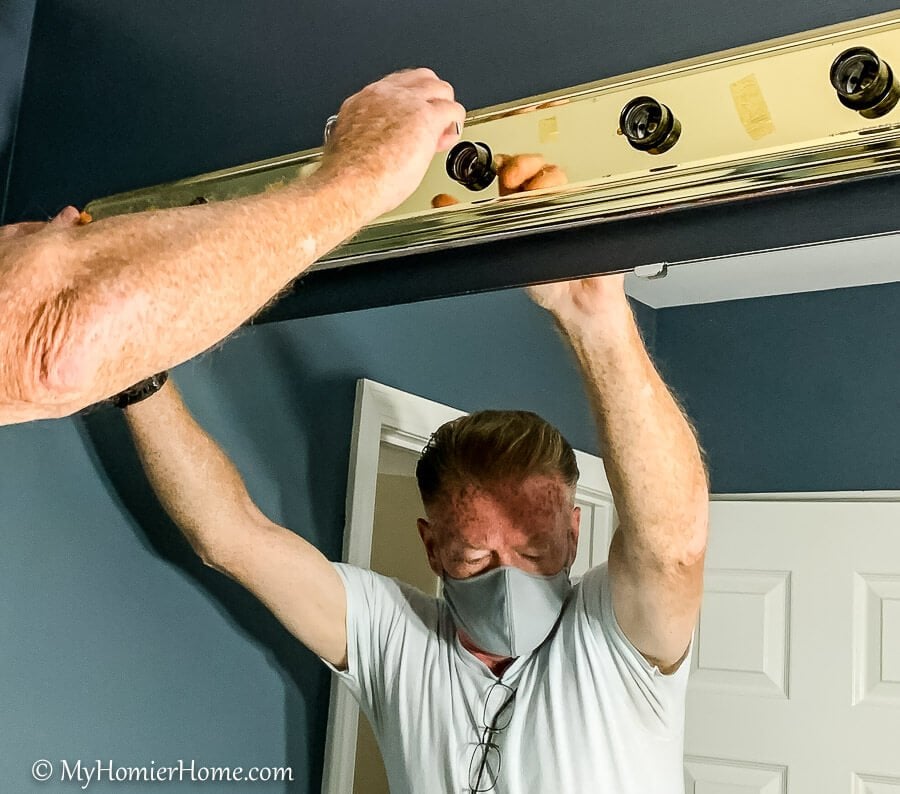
x: 529, y: 524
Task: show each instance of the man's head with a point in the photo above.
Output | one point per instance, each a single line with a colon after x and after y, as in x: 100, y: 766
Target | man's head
x: 498, y: 489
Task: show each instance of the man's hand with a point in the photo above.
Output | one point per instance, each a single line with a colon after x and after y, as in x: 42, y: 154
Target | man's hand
x: 521, y: 173
x: 573, y: 303
x: 581, y: 301
x: 67, y: 218
x: 517, y: 173
x: 389, y: 132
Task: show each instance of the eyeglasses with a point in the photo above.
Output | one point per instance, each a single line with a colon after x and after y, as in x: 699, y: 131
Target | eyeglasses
x: 485, y: 765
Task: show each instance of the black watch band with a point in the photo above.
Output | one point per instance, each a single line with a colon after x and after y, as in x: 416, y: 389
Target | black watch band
x: 140, y: 391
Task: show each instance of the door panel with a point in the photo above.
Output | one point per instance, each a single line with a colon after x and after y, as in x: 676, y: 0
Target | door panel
x: 795, y: 685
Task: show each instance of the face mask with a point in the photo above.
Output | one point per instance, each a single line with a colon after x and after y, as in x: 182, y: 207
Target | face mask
x: 507, y: 611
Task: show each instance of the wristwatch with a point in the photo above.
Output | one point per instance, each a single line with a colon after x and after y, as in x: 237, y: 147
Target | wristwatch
x: 140, y: 391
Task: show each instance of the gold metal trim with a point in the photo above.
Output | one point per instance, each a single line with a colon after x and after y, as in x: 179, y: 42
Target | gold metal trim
x: 756, y: 120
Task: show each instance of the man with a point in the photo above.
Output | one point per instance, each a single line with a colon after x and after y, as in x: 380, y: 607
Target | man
x: 573, y: 688
x: 91, y: 310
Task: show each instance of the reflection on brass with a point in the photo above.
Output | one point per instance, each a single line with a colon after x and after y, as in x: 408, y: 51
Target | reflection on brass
x: 800, y: 121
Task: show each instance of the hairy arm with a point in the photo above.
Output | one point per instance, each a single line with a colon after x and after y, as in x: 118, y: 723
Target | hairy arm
x: 654, y: 467
x: 90, y: 310
x: 203, y: 492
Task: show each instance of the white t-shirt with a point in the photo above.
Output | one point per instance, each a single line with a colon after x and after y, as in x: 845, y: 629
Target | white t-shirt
x: 590, y: 713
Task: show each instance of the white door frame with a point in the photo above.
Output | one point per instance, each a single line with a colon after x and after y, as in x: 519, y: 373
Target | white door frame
x: 382, y: 415
x: 387, y: 415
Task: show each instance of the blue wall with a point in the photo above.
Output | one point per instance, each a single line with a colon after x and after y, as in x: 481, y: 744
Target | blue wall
x: 792, y: 392
x: 15, y: 32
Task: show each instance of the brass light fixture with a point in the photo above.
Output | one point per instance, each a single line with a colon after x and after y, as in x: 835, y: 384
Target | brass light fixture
x: 793, y: 113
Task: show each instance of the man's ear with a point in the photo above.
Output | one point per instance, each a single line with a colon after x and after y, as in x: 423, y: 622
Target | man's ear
x: 426, y: 532
x: 574, y: 529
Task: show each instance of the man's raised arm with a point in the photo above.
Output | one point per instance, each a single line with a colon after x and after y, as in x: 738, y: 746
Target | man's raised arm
x: 90, y: 310
x: 654, y: 467
x: 203, y: 492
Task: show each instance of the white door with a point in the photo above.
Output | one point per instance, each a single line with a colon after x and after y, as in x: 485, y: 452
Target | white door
x: 795, y: 687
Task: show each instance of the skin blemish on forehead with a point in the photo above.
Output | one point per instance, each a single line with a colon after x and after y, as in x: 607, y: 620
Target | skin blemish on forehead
x: 536, y: 501
x: 536, y: 498
x: 527, y: 523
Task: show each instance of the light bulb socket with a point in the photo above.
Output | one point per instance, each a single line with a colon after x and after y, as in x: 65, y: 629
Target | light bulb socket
x: 471, y: 164
x: 864, y: 82
x: 649, y: 126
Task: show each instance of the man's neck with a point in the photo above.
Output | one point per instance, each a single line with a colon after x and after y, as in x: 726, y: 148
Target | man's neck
x: 496, y: 664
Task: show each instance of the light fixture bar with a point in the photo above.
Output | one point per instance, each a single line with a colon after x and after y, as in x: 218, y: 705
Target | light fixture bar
x: 793, y: 113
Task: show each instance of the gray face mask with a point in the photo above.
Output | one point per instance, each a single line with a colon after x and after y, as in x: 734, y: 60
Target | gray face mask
x: 507, y: 611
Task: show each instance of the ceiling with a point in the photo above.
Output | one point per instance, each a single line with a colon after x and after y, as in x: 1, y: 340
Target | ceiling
x: 845, y: 263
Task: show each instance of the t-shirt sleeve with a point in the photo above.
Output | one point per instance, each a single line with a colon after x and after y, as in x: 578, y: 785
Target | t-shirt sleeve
x: 659, y: 697
x: 375, y: 607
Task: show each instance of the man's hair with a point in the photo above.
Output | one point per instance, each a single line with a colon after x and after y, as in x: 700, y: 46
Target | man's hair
x: 488, y: 447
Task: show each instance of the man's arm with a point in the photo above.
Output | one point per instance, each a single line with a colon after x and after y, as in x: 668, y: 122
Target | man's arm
x: 205, y: 495
x: 654, y: 467
x: 91, y: 310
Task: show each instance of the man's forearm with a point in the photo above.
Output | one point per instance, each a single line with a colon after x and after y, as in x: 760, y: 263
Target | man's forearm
x: 194, y: 480
x: 649, y: 449
x: 99, y: 307
x: 89, y: 311
x: 203, y: 492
